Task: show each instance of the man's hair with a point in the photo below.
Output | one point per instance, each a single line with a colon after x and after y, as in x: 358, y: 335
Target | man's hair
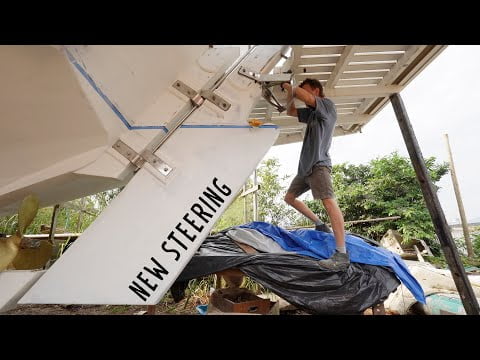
x: 314, y: 84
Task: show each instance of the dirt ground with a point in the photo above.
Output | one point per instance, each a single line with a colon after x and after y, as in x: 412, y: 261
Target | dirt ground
x: 160, y: 309
x: 165, y: 308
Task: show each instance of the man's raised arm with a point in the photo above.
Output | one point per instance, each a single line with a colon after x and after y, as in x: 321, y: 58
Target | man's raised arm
x: 300, y: 94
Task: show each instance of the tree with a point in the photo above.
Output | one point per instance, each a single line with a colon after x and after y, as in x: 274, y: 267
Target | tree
x: 271, y: 207
x: 68, y: 218
x: 384, y: 187
x: 234, y: 215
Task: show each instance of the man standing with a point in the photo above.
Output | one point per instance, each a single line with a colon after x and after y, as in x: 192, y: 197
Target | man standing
x: 315, y: 166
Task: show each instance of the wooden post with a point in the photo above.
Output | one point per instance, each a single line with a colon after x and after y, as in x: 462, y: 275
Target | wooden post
x: 218, y: 282
x: 255, y: 201
x: 246, y: 192
x: 436, y: 213
x: 151, y: 309
x: 53, y: 223
x: 80, y: 214
x: 466, y: 233
x: 244, y: 205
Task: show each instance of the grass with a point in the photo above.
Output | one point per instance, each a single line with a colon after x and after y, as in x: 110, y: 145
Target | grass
x: 441, y: 262
x: 118, y: 309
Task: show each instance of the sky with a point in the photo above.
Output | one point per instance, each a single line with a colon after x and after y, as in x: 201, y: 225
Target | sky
x: 442, y: 99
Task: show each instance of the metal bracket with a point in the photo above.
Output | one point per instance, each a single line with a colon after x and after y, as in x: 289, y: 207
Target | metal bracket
x: 139, y: 159
x: 272, y: 100
x: 199, y: 98
x: 267, y: 81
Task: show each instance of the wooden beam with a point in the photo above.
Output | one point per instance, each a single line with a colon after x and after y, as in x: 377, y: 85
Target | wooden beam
x: 318, y: 60
x: 311, y: 69
x: 458, y: 196
x: 288, y: 138
x: 347, y: 54
x: 301, y: 76
x: 373, y: 220
x: 378, y: 106
x: 363, y: 67
x: 403, y: 62
x: 353, y: 119
x: 364, y: 106
x: 343, y: 108
x: 357, y: 81
x: 341, y: 120
x: 323, y: 50
x: 364, y: 75
x: 363, y: 91
x: 294, y: 137
x: 339, y: 131
x: 376, y: 57
x: 261, y: 106
x: 419, y: 254
x: 252, y: 189
x: 411, y: 53
x: 381, y: 48
x: 426, y: 56
x: 436, y: 213
x: 356, y: 101
x: 349, y: 222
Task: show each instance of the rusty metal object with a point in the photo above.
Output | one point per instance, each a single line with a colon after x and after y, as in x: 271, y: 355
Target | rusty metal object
x: 378, y: 309
x: 239, y: 300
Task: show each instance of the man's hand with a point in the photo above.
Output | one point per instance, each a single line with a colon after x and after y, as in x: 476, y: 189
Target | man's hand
x: 286, y: 86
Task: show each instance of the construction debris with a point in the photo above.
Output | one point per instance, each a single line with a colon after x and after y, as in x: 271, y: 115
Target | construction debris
x: 414, y: 250
x: 440, y: 291
x: 240, y: 300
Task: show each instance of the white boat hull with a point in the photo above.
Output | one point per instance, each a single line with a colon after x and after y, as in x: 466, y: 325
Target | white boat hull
x: 133, y: 252
x: 62, y: 108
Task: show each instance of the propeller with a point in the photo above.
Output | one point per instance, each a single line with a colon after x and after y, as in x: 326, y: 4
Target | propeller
x: 9, y: 246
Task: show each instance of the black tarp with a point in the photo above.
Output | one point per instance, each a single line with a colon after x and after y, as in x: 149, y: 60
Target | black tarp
x: 296, y: 278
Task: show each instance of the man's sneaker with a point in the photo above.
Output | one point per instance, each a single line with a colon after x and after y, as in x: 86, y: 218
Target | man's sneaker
x: 338, y: 261
x: 323, y: 228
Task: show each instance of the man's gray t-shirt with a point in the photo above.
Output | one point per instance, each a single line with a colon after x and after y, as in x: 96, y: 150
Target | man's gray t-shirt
x: 318, y: 135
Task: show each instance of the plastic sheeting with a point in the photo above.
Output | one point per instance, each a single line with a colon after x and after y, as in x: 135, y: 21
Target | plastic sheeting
x: 321, y: 245
x: 256, y: 240
x: 298, y: 278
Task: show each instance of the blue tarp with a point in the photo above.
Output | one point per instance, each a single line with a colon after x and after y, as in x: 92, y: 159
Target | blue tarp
x: 321, y: 245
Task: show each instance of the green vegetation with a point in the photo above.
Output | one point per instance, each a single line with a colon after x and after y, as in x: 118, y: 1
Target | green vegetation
x: 70, y: 218
x: 384, y: 187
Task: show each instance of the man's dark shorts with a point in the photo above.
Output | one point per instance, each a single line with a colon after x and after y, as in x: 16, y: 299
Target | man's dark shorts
x: 319, y: 181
